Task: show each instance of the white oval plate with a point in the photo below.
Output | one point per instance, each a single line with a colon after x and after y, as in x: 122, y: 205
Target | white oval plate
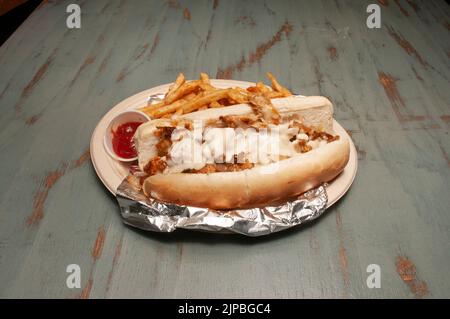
x: 112, y: 172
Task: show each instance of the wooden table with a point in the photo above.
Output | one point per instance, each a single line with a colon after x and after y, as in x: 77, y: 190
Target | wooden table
x: 390, y: 89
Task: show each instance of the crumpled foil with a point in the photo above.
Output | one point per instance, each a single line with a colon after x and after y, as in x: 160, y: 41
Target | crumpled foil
x: 149, y: 214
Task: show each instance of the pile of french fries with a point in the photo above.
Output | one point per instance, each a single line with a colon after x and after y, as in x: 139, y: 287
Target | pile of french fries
x: 189, y: 96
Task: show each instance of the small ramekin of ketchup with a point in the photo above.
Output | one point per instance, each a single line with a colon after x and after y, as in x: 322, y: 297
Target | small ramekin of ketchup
x: 118, y: 140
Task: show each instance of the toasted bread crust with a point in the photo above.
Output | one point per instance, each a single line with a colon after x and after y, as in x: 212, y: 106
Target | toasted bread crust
x: 254, y: 187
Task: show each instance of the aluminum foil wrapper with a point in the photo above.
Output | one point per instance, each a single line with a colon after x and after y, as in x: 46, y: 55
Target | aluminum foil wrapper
x: 149, y: 214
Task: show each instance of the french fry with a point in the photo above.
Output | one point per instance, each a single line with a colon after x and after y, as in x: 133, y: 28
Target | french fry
x: 204, y: 98
x: 166, y: 109
x: 237, y: 96
x: 253, y: 89
x: 243, y: 92
x: 190, y: 96
x: 184, y: 89
x: 262, y: 87
x: 205, y: 83
x: 207, y: 87
x: 151, y: 107
x: 277, y: 86
x: 185, y: 97
x: 178, y: 82
x: 226, y: 101
x: 204, y: 78
x: 274, y: 94
x: 215, y: 104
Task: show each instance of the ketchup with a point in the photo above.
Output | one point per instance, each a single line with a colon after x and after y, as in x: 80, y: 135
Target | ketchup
x: 122, y: 139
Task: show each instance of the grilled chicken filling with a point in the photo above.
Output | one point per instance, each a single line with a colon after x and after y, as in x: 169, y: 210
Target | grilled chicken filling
x: 174, y: 144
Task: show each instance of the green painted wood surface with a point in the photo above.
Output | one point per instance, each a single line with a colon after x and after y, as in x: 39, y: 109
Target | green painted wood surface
x: 390, y: 88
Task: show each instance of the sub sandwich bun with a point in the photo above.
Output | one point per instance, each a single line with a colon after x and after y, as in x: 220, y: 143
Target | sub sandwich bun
x: 307, y: 154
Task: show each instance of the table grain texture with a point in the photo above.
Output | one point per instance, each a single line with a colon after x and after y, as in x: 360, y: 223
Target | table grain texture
x: 390, y: 89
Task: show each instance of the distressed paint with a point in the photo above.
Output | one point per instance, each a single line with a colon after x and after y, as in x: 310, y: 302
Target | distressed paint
x: 389, y: 84
x: 332, y: 51
x: 343, y: 262
x: 406, y: 45
x: 99, y: 242
x: 256, y: 55
x: 85, y: 293
x: 115, y: 260
x: 390, y: 91
x: 41, y: 194
x: 46, y: 185
x: 402, y: 8
x: 408, y: 273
